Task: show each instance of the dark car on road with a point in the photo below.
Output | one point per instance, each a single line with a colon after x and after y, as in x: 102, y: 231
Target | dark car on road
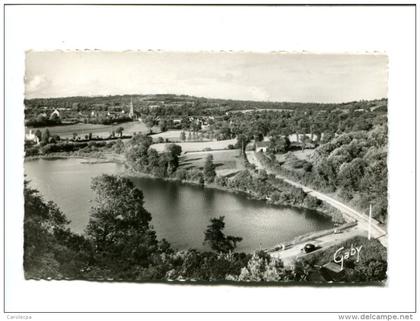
x: 309, y: 247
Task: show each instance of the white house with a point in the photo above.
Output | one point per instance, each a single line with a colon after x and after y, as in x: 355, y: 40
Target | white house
x: 56, y: 113
x: 32, y: 137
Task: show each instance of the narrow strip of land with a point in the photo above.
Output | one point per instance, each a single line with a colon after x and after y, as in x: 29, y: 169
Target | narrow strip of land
x: 349, y: 214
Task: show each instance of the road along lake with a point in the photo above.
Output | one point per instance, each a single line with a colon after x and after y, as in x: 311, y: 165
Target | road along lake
x: 180, y: 212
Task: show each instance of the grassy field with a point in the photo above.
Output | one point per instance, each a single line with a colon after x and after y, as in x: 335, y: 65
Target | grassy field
x: 305, y: 155
x: 66, y: 131
x: 226, y: 161
x: 172, y: 135
x: 198, y: 146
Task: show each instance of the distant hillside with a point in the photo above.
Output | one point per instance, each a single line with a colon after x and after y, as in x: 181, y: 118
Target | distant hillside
x: 169, y: 100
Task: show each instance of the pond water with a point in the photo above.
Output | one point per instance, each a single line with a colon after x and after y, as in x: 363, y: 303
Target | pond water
x: 180, y: 212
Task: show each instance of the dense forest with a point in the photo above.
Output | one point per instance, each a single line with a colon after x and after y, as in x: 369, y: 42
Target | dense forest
x: 353, y: 166
x: 349, y: 151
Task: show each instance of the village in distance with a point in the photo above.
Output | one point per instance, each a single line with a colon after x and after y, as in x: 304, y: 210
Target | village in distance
x: 195, y: 189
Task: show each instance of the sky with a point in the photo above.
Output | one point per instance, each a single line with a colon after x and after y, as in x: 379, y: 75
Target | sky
x: 243, y: 76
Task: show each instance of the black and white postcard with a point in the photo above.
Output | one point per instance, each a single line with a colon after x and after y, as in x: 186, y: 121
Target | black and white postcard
x: 209, y: 158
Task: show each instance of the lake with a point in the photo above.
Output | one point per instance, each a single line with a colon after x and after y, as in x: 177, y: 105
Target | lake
x: 180, y: 212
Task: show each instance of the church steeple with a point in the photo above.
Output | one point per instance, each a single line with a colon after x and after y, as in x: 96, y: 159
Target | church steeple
x: 131, y: 113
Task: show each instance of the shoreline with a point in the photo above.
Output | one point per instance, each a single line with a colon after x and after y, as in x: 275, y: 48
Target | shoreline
x: 131, y: 173
x: 112, y: 158
x: 96, y: 159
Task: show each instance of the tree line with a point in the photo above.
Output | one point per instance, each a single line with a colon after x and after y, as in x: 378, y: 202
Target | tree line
x: 352, y: 165
x: 142, y: 157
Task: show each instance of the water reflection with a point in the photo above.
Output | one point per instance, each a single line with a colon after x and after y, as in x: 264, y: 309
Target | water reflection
x: 180, y: 212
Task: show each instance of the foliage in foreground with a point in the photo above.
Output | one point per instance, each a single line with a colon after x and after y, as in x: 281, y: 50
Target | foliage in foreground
x: 372, y: 266
x: 215, y: 237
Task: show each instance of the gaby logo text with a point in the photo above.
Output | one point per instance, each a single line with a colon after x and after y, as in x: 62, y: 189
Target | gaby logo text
x: 343, y: 254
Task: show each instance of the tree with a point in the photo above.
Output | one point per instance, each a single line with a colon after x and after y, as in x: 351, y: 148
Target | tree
x: 327, y: 137
x: 195, y: 126
x: 261, y: 267
x: 262, y: 175
x: 136, y: 151
x: 372, y: 270
x: 162, y: 170
x: 41, y: 119
x: 217, y: 240
x: 119, y: 130
x: 326, y: 171
x: 305, y: 140
x: 225, y: 131
x: 43, y: 222
x: 351, y: 173
x: 209, y: 169
x: 181, y: 174
x: 173, y: 152
x: 119, y: 146
x: 38, y: 134
x: 153, y: 158
x: 45, y: 137
x: 185, y: 123
x: 149, y: 122
x: 119, y: 225
x: 174, y: 149
x: 242, y: 141
x: 163, y: 125
x: 278, y: 144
